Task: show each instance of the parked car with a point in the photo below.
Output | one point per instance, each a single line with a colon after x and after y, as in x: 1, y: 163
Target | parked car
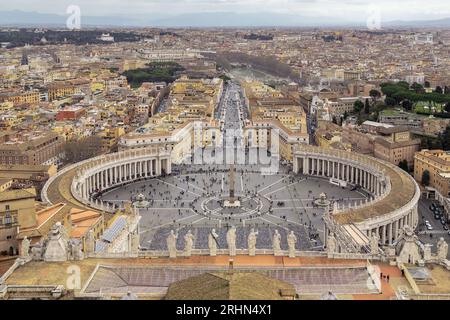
x: 429, y: 227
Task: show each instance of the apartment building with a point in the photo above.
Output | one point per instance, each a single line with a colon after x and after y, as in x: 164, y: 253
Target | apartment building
x: 395, y: 145
x: 31, y: 149
x: 16, y: 210
x: 437, y: 163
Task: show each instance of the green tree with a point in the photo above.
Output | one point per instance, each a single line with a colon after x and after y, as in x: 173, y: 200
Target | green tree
x: 439, y: 90
x: 404, y: 165
x: 403, y: 84
x: 390, y: 101
x: 446, y: 90
x: 345, y: 116
x: 375, y: 94
x: 407, y: 105
x: 334, y: 120
x: 447, y: 107
x: 418, y: 88
x: 367, y: 107
x: 426, y: 178
x: 358, y: 105
x: 427, y: 84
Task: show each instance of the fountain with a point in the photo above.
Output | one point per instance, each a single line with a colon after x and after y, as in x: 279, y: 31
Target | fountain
x: 141, y: 202
x: 322, y: 201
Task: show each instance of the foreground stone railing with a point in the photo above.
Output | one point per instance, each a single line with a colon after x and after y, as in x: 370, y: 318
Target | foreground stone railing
x: 17, y: 263
x: 204, y: 252
x: 32, y: 291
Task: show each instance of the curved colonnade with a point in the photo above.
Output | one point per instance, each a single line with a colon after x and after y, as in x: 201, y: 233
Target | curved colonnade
x: 394, y: 193
x: 106, y: 172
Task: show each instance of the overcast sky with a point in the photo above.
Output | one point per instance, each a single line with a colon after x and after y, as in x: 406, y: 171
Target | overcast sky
x: 347, y: 9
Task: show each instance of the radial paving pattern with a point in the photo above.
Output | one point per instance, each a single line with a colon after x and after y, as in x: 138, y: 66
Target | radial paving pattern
x: 194, y: 200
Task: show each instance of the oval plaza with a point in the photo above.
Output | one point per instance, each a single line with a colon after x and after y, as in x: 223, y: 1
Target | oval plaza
x: 389, y: 200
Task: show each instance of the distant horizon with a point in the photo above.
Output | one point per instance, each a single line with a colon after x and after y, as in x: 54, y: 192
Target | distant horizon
x: 354, y: 10
x: 217, y: 19
x: 227, y: 13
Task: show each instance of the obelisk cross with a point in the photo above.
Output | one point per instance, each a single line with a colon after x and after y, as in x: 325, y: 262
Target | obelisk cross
x: 232, y: 177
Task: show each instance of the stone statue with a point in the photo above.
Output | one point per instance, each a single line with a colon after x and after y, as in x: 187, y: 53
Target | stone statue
x: 172, y: 244
x: 276, y: 242
x: 374, y: 249
x: 128, y: 209
x: 442, y: 249
x: 292, y: 241
x: 335, y: 207
x: 213, y: 242
x: 75, y: 250
x: 188, y: 243
x: 252, y: 242
x: 390, y: 251
x: 134, y: 243
x: 427, y: 252
x: 57, y: 248
x: 25, y: 247
x: 60, y: 229
x: 89, y: 242
x: 231, y: 240
x: 410, y: 250
x: 36, y: 252
x: 331, y: 243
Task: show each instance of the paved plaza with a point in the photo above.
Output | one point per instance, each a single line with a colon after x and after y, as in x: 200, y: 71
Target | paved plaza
x: 192, y: 199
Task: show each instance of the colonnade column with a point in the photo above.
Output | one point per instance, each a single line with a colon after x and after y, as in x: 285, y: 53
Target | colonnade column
x: 390, y: 233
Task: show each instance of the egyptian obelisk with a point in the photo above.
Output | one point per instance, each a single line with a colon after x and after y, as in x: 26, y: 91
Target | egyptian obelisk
x: 232, y: 201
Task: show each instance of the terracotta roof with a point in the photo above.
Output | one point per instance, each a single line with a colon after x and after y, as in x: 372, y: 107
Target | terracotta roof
x: 17, y: 194
x: 80, y: 229
x: 82, y: 221
x: 78, y: 215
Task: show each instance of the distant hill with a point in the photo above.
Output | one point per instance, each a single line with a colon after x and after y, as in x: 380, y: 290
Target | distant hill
x: 441, y: 23
x: 22, y: 18
x: 212, y: 19
x: 231, y: 19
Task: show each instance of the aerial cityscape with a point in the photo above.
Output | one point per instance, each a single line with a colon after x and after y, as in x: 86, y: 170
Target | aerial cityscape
x: 224, y: 152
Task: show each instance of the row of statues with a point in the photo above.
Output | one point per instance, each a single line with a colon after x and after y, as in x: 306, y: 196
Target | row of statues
x: 213, y: 242
x: 57, y: 246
